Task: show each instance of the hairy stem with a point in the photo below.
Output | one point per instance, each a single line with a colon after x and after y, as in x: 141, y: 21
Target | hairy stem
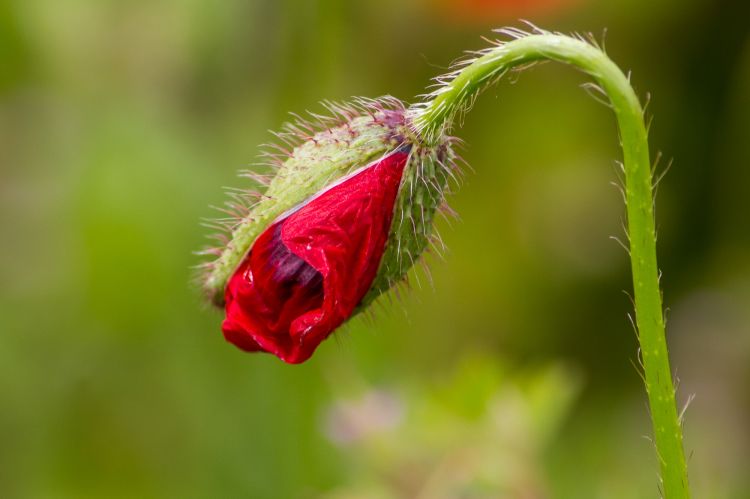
x: 455, y: 96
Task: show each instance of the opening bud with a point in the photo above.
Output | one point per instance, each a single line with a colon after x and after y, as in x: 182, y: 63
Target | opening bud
x: 348, y: 212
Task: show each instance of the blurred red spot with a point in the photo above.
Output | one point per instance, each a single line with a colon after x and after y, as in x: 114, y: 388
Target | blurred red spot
x: 495, y: 10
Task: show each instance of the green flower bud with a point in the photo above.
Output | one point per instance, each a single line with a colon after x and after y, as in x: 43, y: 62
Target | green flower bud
x: 361, y: 190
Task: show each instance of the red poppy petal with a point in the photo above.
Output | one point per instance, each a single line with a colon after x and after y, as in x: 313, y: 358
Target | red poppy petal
x: 307, y: 272
x: 342, y: 234
x: 266, y: 293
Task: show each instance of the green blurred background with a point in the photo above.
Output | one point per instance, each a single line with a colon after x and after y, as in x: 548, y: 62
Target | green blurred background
x: 510, y: 376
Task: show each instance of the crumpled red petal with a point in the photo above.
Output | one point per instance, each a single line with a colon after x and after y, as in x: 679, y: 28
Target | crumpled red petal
x: 307, y: 272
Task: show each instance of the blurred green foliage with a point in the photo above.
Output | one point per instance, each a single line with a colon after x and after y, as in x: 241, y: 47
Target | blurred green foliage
x: 479, y: 433
x: 119, y: 123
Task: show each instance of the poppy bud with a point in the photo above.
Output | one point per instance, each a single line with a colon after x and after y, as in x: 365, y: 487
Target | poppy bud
x: 347, y: 214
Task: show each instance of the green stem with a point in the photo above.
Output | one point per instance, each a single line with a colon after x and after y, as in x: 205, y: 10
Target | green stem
x: 435, y: 116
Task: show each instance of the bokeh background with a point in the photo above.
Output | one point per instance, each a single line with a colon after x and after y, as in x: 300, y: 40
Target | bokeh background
x: 509, y: 375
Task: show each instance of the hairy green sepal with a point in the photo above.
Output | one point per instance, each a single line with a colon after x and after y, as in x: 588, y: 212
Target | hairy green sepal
x: 311, y: 166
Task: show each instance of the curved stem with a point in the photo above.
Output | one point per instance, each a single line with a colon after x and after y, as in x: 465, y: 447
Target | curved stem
x: 434, y: 117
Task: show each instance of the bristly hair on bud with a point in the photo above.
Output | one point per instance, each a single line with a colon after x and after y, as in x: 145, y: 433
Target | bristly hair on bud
x: 310, y: 159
